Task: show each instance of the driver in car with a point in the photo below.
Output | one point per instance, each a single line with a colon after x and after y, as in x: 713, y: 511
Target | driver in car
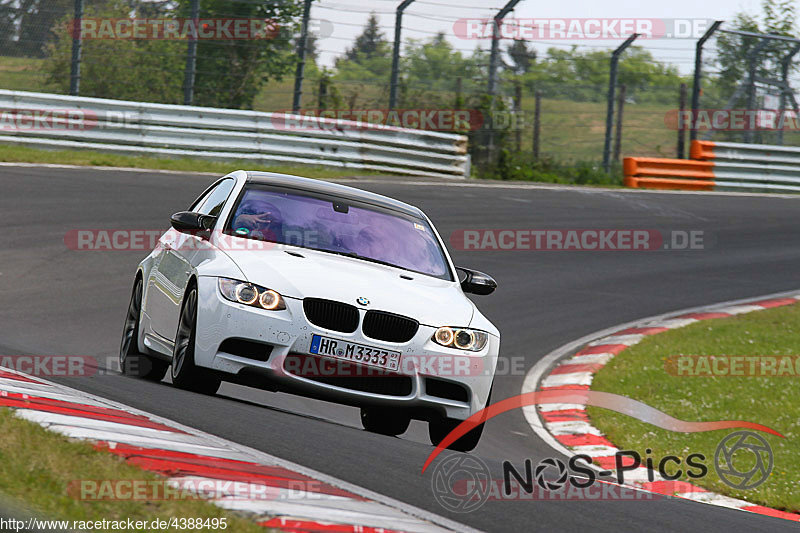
x: 259, y: 219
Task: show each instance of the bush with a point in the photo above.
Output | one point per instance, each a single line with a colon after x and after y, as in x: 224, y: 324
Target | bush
x: 512, y: 166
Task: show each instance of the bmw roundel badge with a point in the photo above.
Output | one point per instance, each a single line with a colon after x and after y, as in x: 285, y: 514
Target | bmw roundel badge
x: 362, y: 301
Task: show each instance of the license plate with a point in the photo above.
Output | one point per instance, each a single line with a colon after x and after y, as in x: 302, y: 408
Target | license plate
x: 357, y: 353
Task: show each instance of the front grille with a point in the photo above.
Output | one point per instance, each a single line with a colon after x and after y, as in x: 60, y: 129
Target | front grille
x: 446, y: 389
x: 348, y: 375
x: 389, y: 327
x: 331, y: 315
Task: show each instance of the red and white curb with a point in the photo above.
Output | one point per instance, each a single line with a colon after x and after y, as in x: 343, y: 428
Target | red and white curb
x: 567, y: 428
x: 275, y: 492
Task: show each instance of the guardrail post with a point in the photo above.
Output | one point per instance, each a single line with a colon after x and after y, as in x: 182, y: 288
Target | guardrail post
x: 302, y: 45
x: 398, y: 29
x: 191, y: 57
x: 698, y: 75
x: 612, y: 85
x: 77, y: 43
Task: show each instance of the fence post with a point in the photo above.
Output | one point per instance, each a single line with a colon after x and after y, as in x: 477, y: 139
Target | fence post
x: 492, y: 88
x: 612, y: 85
x: 785, y: 63
x: 698, y: 75
x: 302, y: 45
x: 618, y: 134
x: 681, y: 114
x: 752, y: 66
x: 191, y: 57
x: 398, y: 30
x: 517, y: 114
x: 77, y: 42
x: 322, y: 98
x: 536, y: 115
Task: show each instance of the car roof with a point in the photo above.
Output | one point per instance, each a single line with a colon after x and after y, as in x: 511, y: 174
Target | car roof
x: 333, y: 189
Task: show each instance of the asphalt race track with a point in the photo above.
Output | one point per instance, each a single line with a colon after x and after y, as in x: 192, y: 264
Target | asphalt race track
x: 54, y: 300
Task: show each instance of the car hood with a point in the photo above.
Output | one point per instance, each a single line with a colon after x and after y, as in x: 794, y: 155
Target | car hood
x: 431, y: 301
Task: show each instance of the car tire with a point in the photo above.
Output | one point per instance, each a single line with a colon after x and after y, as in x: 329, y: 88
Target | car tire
x: 439, y: 428
x: 385, y: 421
x: 185, y: 374
x: 131, y: 361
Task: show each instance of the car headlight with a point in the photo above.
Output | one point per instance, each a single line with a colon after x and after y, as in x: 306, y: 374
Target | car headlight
x: 251, y: 294
x: 461, y: 338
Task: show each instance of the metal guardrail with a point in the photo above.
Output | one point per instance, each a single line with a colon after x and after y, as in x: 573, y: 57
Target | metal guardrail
x: 751, y: 166
x: 720, y: 166
x: 136, y: 128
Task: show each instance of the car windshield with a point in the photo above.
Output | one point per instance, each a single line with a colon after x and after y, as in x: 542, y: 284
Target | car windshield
x: 339, y: 226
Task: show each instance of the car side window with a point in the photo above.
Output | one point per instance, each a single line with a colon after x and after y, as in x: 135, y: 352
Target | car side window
x: 214, y: 200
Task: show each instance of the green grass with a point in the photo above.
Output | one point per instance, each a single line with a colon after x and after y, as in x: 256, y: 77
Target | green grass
x: 639, y: 373
x: 37, y: 467
x: 23, y: 74
x: 22, y: 154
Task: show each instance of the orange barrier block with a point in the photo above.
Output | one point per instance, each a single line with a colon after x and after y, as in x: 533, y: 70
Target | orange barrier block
x: 702, y: 150
x: 654, y: 167
x: 669, y: 184
x: 660, y: 173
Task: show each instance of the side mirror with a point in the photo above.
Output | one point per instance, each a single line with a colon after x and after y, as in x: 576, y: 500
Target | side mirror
x: 193, y: 223
x: 477, y: 282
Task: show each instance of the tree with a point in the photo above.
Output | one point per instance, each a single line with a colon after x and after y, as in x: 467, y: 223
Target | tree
x: 312, y: 47
x: 370, y: 44
x: 146, y: 70
x: 779, y: 17
x: 436, y: 64
x: 522, y: 56
x: 577, y: 75
x: 231, y: 72
x: 26, y: 24
x: 369, y: 59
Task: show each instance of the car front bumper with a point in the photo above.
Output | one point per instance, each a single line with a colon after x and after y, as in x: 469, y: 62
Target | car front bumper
x: 424, y: 365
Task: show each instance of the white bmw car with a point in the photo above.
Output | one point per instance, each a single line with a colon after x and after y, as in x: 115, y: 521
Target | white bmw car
x: 298, y: 285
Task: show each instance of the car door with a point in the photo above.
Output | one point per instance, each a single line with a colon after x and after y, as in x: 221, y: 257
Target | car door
x: 173, y: 269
